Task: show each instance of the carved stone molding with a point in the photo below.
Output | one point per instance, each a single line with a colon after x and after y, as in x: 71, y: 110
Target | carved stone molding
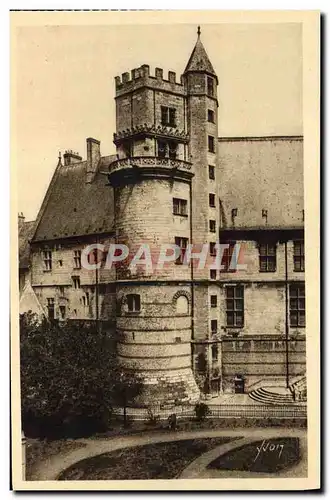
x: 141, y: 161
x: 181, y: 293
x: 151, y: 130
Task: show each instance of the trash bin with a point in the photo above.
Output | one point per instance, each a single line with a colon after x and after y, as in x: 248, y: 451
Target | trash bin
x: 239, y: 384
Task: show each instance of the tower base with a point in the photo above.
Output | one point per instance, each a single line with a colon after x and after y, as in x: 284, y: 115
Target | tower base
x: 170, y: 388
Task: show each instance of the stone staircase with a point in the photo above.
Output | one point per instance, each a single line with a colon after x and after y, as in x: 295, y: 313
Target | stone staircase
x: 266, y: 396
x: 299, y: 388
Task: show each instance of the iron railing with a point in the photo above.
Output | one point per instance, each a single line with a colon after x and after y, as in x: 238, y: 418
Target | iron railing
x: 218, y: 411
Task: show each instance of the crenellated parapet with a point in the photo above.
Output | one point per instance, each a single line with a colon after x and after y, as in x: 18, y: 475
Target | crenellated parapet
x: 141, y: 77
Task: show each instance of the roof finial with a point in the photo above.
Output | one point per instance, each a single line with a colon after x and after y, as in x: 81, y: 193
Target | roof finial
x: 199, y: 31
x: 59, y: 158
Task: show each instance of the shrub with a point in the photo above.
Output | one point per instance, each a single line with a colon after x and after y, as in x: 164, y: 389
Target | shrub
x: 152, y: 419
x: 172, y: 421
x: 201, y: 411
x: 70, y: 379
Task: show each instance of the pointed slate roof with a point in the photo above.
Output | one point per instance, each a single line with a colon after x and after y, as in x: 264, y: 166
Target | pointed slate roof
x: 72, y: 207
x: 199, y: 60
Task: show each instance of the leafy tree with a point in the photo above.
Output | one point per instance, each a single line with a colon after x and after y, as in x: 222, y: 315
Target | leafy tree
x: 69, y: 375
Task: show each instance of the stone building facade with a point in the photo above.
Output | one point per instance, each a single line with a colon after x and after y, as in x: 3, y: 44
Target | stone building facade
x: 173, y: 181
x: 262, y: 208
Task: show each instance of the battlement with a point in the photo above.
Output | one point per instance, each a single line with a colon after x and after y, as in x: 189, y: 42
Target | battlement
x: 141, y: 77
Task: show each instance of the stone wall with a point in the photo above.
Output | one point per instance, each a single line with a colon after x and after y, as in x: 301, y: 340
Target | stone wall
x: 156, y: 340
x: 58, y: 284
x: 144, y: 215
x: 260, y: 358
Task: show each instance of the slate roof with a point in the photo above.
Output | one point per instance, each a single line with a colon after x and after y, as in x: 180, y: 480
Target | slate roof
x: 73, y: 207
x: 25, y: 234
x: 261, y: 174
x: 199, y: 60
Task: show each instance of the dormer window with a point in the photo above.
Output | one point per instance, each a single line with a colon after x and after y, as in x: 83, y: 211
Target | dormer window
x: 168, y: 116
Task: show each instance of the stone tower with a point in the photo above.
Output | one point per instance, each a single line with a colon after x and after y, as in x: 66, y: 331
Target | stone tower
x: 161, y: 196
x: 201, y: 82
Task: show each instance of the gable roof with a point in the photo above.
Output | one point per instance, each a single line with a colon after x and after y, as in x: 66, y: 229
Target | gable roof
x: 25, y: 235
x: 199, y: 60
x: 73, y: 207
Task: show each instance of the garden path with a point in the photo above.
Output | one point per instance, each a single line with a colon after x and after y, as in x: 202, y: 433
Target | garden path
x: 51, y: 469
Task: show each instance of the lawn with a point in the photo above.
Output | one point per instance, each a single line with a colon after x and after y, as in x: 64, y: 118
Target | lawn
x: 153, y: 461
x: 40, y: 450
x: 260, y: 456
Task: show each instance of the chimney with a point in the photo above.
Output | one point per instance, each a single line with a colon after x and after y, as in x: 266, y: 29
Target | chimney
x: 93, y: 158
x: 21, y: 220
x: 70, y: 157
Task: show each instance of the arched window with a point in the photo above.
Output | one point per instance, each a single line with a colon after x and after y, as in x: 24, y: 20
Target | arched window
x: 133, y: 302
x: 182, y: 305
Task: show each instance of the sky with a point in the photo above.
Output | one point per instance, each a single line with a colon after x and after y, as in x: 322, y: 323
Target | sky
x: 64, y: 85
